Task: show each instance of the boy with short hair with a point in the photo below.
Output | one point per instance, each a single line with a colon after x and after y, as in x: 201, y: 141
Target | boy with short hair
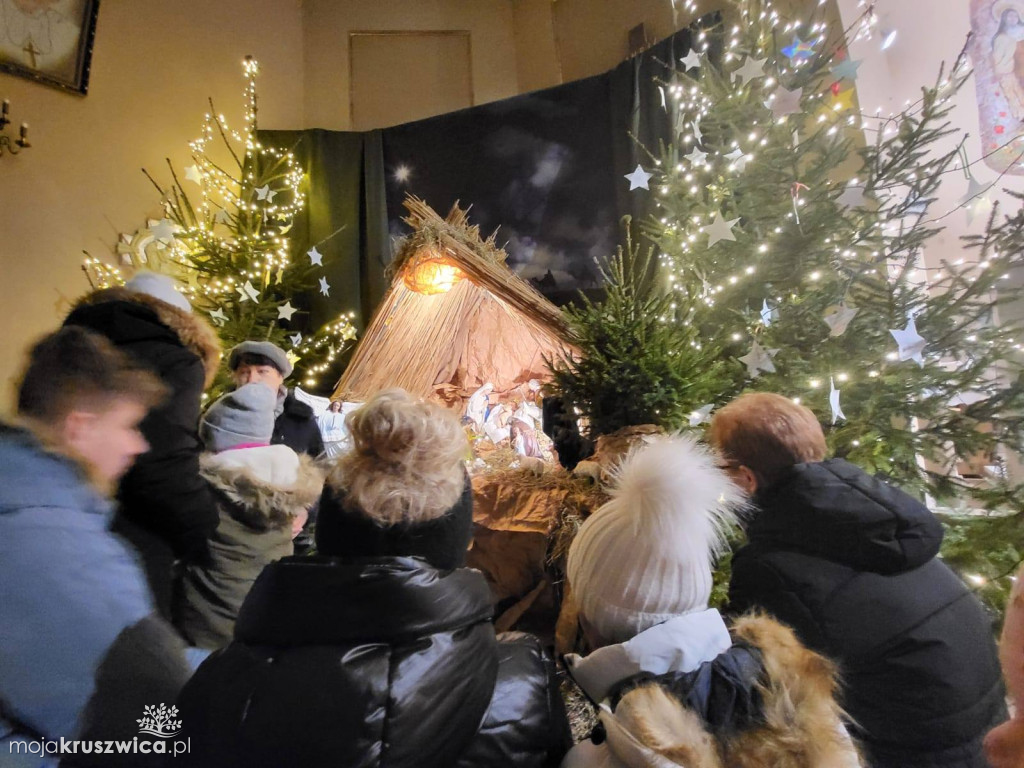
x: 81, y: 651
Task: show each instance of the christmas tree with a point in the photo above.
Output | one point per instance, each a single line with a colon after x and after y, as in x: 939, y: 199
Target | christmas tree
x: 225, y: 237
x: 790, y: 231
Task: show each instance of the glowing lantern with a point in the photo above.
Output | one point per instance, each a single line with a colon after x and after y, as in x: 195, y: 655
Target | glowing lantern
x: 432, y: 273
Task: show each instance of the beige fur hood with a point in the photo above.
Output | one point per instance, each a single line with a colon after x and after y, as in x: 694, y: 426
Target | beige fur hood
x: 195, y: 333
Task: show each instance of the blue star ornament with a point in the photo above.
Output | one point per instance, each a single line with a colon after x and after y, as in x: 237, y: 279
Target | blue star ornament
x: 846, y: 69
x: 799, y: 50
x: 638, y: 179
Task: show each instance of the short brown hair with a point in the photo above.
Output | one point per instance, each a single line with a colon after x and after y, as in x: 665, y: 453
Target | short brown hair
x: 767, y: 433
x: 78, y: 369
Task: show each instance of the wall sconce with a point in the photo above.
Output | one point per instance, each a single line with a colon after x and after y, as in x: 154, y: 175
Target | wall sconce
x: 16, y: 145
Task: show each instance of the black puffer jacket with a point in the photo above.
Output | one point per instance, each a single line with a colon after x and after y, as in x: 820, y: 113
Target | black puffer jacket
x: 850, y: 563
x: 383, y: 662
x: 296, y: 427
x: 166, y: 508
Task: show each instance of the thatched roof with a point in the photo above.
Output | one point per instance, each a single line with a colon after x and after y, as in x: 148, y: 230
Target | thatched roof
x: 492, y: 324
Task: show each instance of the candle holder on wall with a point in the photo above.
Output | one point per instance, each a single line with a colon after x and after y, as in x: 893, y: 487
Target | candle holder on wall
x: 12, y: 146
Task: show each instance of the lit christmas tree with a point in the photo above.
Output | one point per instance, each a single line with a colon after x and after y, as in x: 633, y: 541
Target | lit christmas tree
x: 225, y: 237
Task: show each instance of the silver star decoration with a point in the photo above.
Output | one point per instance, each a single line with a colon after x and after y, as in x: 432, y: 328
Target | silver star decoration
x: 720, y: 229
x: 265, y: 193
x: 691, y: 60
x: 759, y: 360
x: 243, y: 295
x: 911, y: 344
x: 192, y: 174
x: 164, y: 230
x: 222, y: 217
x: 696, y: 133
x: 751, y: 69
x: 768, y: 314
x: 980, y: 208
x: 974, y: 189
x: 315, y: 257
x: 218, y: 316
x: 838, y: 318
x: 285, y: 311
x: 638, y: 179
x: 846, y: 70
x: 853, y: 197
x: 785, y: 102
x: 738, y: 159
x: 295, y: 339
x: 833, y: 401
x: 325, y: 288
x: 697, y: 157
x: 701, y: 415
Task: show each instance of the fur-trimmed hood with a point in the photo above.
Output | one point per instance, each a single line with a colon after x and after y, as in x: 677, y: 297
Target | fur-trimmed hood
x: 267, y: 486
x: 194, y: 332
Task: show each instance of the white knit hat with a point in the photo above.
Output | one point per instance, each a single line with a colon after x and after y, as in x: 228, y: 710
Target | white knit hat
x: 646, y: 556
x: 159, y: 287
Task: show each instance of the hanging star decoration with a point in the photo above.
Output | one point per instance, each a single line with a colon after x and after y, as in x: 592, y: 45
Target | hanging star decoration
x: 638, y: 179
x: 759, y: 360
x: 192, y: 174
x: 980, y: 208
x: 911, y: 344
x: 853, y: 197
x: 222, y: 217
x: 242, y: 293
x: 164, y: 230
x: 295, y: 339
x: 833, y: 401
x: 846, y: 69
x: 691, y: 60
x: 248, y: 292
x: 720, y: 229
x: 700, y: 416
x: 697, y: 157
x: 218, y: 316
x: 752, y: 68
x: 974, y: 190
x: 265, y: 193
x: 315, y: 257
x: 798, y: 50
x: 737, y: 158
x: 841, y: 102
x: 292, y: 357
x: 285, y: 311
x: 697, y: 133
x: 325, y: 288
x: 785, y: 102
x: 838, y: 318
x: 768, y: 314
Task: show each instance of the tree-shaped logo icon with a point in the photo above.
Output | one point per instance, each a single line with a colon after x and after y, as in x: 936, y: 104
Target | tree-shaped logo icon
x: 160, y: 721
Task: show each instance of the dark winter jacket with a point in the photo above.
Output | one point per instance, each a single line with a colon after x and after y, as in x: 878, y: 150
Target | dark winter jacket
x: 259, y: 492
x: 296, y: 427
x: 373, y: 662
x: 168, y: 511
x: 850, y: 563
x: 81, y: 652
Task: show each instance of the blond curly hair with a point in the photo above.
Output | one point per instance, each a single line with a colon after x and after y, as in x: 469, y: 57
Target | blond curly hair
x: 406, y: 463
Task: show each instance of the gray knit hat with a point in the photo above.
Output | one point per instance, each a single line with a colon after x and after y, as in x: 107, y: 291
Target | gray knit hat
x: 272, y: 352
x: 243, y: 416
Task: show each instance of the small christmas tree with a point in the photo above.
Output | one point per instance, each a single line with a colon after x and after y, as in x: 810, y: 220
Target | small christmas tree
x: 226, y: 239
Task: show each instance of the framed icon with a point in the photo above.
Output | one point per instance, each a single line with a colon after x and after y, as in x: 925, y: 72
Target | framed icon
x: 49, y: 41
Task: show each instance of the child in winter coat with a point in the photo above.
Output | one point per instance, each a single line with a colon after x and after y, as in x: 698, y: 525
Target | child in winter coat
x: 263, y: 494
x: 673, y: 687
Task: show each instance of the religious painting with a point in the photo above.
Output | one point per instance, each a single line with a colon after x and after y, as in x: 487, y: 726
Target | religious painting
x: 997, y: 52
x: 49, y: 41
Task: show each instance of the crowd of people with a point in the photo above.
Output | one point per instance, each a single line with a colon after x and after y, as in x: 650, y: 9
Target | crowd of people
x: 285, y: 608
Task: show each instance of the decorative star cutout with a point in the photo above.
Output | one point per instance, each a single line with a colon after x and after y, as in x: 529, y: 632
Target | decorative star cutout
x: 759, y: 360
x: 222, y: 217
x: 974, y: 190
x: 325, y: 288
x: 285, y: 311
x: 691, y: 60
x: 843, y: 101
x: 696, y: 133
x: 853, y: 197
x: 752, y: 68
x: 768, y: 314
x: 701, y: 415
x: 838, y: 318
x: 697, y: 157
x: 292, y: 357
x: 164, y: 230
x: 315, y: 257
x: 980, y: 208
x: 638, y: 179
x: 911, y: 344
x: 785, y: 102
x: 243, y: 295
x: 218, y: 316
x: 720, y: 229
x: 846, y: 70
x: 265, y: 193
x: 737, y: 158
x: 295, y: 339
x: 192, y: 174
x: 799, y: 50
x: 833, y: 401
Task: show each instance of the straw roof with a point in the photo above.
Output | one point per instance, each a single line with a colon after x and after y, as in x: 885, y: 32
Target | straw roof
x: 490, y: 326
